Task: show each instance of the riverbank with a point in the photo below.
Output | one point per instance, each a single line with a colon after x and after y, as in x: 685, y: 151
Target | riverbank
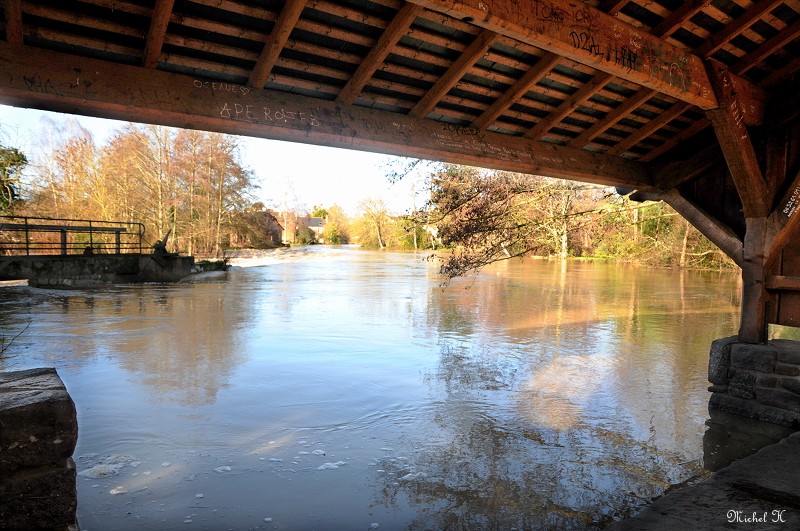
x: 761, y: 491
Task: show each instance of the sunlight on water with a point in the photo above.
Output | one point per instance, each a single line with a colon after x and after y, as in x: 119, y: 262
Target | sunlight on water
x: 335, y: 388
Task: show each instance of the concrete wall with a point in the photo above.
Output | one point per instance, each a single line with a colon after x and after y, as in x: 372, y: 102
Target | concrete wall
x: 87, y: 271
x: 758, y: 381
x: 38, y: 433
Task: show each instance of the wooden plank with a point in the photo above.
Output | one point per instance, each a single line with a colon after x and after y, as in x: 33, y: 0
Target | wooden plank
x: 784, y: 221
x: 159, y: 22
x: 275, y: 42
x: 717, y: 232
x: 689, y: 132
x: 675, y: 173
x: 783, y: 283
x: 13, y: 16
x: 750, y: 17
x: 32, y: 227
x: 53, y: 81
x: 649, y: 128
x: 465, y: 61
x: 390, y: 37
x: 584, y: 93
x: 522, y: 86
x: 613, y: 117
x: 731, y: 130
x: 767, y: 48
x: 588, y: 36
x: 678, y: 18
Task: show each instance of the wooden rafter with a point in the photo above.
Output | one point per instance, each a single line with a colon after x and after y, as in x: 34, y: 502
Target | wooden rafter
x: 787, y: 35
x: 649, y: 128
x: 276, y: 41
x: 785, y: 221
x: 600, y: 80
x: 513, y: 94
x: 13, y: 16
x: 742, y: 23
x: 782, y: 74
x: 46, y: 79
x: 465, y: 61
x: 687, y: 133
x: 613, y: 117
x: 668, y: 26
x: 588, y: 36
x: 731, y: 130
x: 710, y: 227
x: 679, y: 17
x: 391, y: 35
x: 672, y: 174
x: 612, y: 7
x: 159, y: 21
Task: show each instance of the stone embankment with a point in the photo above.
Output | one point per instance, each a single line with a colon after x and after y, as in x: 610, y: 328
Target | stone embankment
x: 757, y: 381
x: 38, y: 433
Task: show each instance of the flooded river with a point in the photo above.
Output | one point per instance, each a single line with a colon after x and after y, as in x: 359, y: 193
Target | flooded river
x: 335, y: 388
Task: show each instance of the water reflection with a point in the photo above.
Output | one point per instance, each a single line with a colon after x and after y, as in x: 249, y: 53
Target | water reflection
x: 534, y: 395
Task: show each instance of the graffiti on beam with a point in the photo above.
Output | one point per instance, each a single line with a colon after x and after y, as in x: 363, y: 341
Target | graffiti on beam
x: 267, y: 115
x: 217, y: 86
x: 791, y: 204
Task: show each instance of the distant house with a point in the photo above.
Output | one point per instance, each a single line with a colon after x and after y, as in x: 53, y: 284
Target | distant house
x: 317, y: 226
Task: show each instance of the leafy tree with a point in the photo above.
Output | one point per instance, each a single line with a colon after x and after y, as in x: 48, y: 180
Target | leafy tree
x: 375, y: 224
x: 12, y: 162
x: 319, y: 212
x: 337, y: 229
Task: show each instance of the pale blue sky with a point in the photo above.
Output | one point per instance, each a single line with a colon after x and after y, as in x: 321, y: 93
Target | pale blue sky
x: 315, y: 175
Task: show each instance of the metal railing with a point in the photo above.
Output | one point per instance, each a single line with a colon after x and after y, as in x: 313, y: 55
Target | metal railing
x: 24, y: 235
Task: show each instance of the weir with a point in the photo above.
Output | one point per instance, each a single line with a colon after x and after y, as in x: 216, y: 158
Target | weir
x: 694, y: 103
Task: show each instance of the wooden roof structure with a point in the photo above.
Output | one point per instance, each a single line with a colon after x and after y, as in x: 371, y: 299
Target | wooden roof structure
x: 694, y: 102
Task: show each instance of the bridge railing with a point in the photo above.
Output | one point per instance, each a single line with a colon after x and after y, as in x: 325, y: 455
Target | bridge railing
x: 26, y: 236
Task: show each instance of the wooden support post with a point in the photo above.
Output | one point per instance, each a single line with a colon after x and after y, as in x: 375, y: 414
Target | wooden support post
x: 753, y: 325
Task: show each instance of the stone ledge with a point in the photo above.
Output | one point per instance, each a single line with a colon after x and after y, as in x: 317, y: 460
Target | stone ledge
x: 38, y: 420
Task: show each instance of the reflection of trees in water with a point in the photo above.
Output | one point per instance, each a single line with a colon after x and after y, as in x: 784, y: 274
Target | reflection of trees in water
x: 487, y: 466
x: 564, y: 396
x: 181, y: 340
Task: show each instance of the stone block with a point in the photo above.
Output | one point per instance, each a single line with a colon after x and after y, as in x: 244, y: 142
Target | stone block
x: 787, y: 370
x: 742, y: 385
x: 767, y: 381
x: 38, y: 420
x: 779, y: 398
x: 791, y: 384
x: 788, y: 351
x: 719, y: 360
x: 42, y: 498
x: 759, y: 358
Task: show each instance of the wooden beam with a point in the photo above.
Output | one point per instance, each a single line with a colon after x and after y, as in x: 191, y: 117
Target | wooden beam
x: 718, y: 233
x: 675, y: 173
x: 612, y: 7
x: 159, y: 21
x: 465, y: 61
x: 678, y: 18
x: 649, y: 128
x: 689, y: 132
x: 390, y: 37
x: 737, y: 26
x: 275, y: 42
x: 753, y: 321
x: 64, y: 83
x: 783, y: 283
x: 613, y: 117
x: 13, y: 16
x: 767, y: 48
x: 522, y: 86
x: 731, y: 130
x: 578, y: 98
x: 784, y: 222
x: 588, y: 36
